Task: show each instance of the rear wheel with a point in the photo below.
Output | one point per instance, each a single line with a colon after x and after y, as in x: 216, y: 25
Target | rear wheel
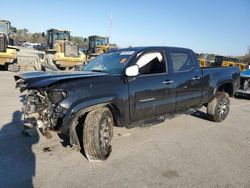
x: 97, y: 134
x: 218, y: 108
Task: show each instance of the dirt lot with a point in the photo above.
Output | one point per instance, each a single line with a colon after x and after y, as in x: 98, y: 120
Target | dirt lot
x: 188, y: 151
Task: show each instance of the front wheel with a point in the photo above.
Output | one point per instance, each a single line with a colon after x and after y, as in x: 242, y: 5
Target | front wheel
x: 218, y: 108
x: 97, y: 134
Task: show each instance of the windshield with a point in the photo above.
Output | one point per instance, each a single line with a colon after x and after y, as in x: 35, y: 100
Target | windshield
x: 112, y: 62
x: 101, y: 41
x: 3, y: 28
x: 61, y: 36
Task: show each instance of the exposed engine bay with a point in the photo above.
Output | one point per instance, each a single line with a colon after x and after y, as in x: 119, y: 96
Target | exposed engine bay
x: 41, y: 109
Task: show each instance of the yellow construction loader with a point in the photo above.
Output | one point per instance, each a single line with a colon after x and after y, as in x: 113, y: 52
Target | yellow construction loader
x: 97, y: 45
x: 229, y: 62
x: 202, y: 62
x: 62, y: 53
x: 8, y: 52
x: 14, y: 58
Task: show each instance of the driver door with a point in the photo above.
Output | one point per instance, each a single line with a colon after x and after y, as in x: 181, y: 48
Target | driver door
x: 150, y: 96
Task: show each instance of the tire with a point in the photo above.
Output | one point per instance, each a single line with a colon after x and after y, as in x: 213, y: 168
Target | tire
x: 38, y: 65
x: 49, y: 61
x: 219, y: 107
x: 97, y: 134
x: 14, y: 67
x: 77, y: 68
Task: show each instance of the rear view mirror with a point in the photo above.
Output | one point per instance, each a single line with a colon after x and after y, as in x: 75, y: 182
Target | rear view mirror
x: 132, y: 70
x: 43, y: 34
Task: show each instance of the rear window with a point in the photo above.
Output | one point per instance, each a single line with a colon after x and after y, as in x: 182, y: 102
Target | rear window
x: 182, y: 61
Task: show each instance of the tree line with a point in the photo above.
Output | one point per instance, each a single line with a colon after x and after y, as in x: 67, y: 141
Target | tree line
x: 23, y: 35
x: 246, y: 58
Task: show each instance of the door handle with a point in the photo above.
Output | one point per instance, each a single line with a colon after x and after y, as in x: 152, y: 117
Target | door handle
x: 196, y: 78
x: 168, y: 82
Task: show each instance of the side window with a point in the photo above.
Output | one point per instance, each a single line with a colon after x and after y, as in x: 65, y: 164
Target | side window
x: 151, y: 63
x: 182, y: 61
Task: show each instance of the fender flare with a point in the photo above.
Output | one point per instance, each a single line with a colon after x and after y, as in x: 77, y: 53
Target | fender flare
x: 83, y: 107
x: 220, y: 84
x: 72, y: 124
x: 228, y: 81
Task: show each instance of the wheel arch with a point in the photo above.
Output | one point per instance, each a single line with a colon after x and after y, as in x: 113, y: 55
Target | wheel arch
x: 70, y: 124
x: 226, y: 87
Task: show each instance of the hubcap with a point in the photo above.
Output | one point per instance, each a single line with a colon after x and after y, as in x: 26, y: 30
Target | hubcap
x: 223, y: 107
x: 105, y: 135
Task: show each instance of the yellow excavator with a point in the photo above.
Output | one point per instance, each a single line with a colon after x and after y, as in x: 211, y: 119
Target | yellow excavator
x: 202, y: 62
x: 62, y: 53
x: 229, y: 62
x: 97, y: 45
x: 8, y: 52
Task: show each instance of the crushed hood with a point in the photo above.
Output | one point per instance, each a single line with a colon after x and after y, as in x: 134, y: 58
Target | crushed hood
x: 45, y: 79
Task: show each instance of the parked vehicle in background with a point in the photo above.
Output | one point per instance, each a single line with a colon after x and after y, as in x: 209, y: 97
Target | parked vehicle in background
x: 124, y: 87
x: 27, y: 45
x: 36, y: 46
x: 62, y: 53
x: 39, y: 47
x: 244, y: 89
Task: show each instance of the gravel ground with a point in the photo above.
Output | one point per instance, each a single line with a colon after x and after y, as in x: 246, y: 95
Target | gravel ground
x: 188, y: 151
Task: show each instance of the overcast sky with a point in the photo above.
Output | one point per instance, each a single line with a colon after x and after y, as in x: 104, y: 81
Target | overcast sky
x: 209, y: 26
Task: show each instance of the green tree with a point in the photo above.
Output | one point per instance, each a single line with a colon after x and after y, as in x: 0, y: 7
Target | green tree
x: 22, y: 35
x: 37, y: 38
x: 80, y: 41
x: 246, y: 58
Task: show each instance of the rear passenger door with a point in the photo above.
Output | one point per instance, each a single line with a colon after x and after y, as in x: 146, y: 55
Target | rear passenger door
x: 186, y: 75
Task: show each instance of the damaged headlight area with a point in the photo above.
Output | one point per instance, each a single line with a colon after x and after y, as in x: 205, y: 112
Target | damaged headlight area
x: 42, y: 109
x: 57, y: 96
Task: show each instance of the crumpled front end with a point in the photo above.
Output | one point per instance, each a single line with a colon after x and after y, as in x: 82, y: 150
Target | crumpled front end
x: 41, y: 108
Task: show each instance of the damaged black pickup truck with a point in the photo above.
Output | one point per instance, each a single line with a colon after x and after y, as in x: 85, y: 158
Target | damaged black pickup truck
x: 124, y: 87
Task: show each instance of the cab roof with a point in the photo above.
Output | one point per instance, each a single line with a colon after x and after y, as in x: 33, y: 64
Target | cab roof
x: 99, y: 36
x: 6, y: 21
x: 60, y: 30
x: 143, y: 48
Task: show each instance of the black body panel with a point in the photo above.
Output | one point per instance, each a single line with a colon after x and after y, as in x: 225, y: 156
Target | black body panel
x: 135, y: 98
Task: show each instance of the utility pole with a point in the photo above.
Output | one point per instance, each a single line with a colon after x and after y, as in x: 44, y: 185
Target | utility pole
x: 110, y: 24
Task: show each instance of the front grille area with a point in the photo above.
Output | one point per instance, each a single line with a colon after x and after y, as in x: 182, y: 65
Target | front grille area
x: 2, y: 43
x: 244, y: 83
x: 71, y: 49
